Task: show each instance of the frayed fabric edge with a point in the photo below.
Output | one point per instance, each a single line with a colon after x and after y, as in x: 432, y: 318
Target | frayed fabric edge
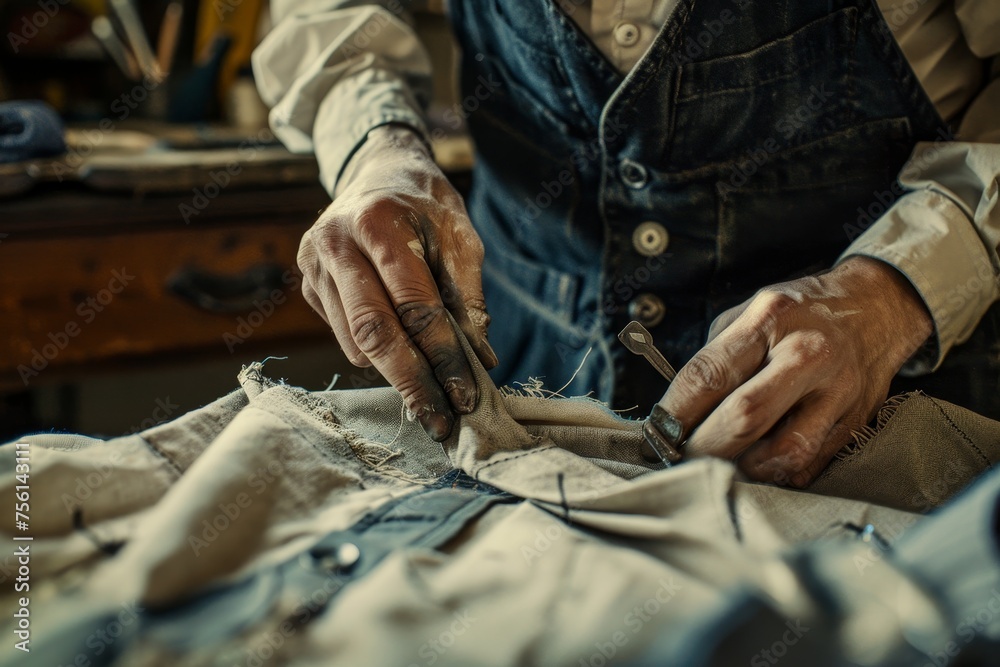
x: 862, y: 436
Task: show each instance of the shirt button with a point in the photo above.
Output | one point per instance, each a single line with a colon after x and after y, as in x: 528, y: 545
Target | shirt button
x: 633, y: 173
x: 650, y: 239
x: 626, y: 34
x: 647, y: 309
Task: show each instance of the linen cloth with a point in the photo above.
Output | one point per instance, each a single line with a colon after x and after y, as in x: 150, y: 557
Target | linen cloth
x: 606, y: 551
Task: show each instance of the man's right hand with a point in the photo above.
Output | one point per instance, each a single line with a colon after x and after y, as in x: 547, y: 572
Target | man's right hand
x: 383, y: 265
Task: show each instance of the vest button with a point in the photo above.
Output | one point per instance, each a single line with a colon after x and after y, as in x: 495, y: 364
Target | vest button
x: 648, y: 309
x: 650, y: 239
x: 633, y: 173
x: 626, y: 34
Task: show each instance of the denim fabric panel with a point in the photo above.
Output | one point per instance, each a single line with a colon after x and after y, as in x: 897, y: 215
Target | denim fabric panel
x: 427, y: 517
x: 789, y: 92
x: 539, y: 340
x: 790, y: 208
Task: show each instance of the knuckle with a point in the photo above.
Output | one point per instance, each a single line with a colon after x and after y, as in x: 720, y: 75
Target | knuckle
x: 307, y: 249
x: 356, y: 358
x: 802, y: 448
x: 325, y: 239
x: 744, y: 416
x: 368, y: 229
x: 705, y: 372
x: 772, y: 307
x: 378, y: 218
x: 420, y: 318
x: 373, y: 332
x: 476, y: 308
x: 414, y: 393
x: 476, y: 251
x: 813, y: 346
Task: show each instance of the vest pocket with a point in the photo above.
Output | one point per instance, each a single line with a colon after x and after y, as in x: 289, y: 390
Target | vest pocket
x: 803, y: 206
x: 784, y: 93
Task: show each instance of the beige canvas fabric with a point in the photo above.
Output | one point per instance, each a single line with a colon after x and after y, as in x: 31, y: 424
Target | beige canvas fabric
x: 607, y: 549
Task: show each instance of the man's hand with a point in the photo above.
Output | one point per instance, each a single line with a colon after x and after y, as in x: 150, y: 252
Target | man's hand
x: 385, y: 263
x: 789, y: 374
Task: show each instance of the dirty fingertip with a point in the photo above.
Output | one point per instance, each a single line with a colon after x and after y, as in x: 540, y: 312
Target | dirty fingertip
x: 437, y: 425
x: 801, y: 480
x: 487, y: 355
x: 462, y: 396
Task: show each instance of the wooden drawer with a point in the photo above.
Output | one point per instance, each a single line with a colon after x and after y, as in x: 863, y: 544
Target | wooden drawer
x: 70, y: 299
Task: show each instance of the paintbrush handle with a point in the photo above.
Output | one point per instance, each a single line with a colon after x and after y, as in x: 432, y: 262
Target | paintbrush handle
x: 129, y: 17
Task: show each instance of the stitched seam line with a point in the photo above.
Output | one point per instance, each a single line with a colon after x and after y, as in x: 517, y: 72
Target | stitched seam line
x: 712, y: 92
x: 516, y: 456
x: 160, y: 453
x: 961, y: 432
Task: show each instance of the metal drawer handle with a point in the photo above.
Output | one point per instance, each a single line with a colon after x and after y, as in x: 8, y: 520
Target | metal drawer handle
x: 226, y: 294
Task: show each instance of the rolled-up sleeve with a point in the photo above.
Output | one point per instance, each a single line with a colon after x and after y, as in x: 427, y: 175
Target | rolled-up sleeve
x: 944, y: 232
x: 331, y: 71
x: 943, y: 235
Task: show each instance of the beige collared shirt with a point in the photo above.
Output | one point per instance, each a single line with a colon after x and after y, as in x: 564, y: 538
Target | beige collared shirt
x: 332, y: 70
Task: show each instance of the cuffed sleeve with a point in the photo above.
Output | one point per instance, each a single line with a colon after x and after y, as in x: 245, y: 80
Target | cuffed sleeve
x: 331, y: 73
x: 943, y: 235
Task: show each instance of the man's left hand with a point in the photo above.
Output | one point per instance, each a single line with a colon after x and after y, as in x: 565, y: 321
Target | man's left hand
x: 789, y: 374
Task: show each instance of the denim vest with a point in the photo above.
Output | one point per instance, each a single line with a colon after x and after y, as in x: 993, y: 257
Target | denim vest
x: 733, y: 156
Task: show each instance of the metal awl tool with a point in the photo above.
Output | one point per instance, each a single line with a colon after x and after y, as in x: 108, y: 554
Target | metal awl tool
x: 638, y: 340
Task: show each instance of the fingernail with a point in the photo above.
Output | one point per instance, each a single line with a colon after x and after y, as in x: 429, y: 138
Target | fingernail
x: 667, y: 425
x: 800, y: 480
x: 461, y: 395
x: 436, y: 425
x: 491, y: 360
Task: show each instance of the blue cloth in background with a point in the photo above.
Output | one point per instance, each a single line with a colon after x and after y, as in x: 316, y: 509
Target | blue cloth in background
x: 29, y: 129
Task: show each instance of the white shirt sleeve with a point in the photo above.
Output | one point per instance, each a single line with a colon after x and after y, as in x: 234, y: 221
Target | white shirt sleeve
x: 943, y: 235
x: 333, y: 70
x: 943, y: 232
